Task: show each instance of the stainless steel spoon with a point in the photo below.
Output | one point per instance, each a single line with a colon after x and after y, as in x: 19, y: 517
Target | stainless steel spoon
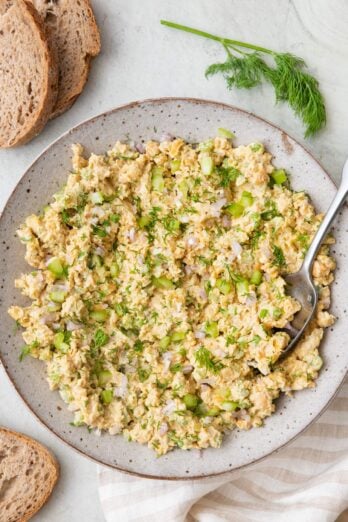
x: 300, y: 285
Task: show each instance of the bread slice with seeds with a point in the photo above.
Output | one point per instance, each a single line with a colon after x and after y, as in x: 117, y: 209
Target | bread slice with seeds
x: 28, y: 474
x: 73, y: 32
x: 28, y: 73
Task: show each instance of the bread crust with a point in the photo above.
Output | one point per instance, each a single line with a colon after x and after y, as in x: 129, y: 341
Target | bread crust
x: 90, y: 44
x: 49, y: 88
x: 44, y: 454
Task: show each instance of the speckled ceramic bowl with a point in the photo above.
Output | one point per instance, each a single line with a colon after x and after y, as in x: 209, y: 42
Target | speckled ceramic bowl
x: 193, y: 120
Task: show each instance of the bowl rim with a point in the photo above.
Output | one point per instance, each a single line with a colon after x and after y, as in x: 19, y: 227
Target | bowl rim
x: 130, y: 105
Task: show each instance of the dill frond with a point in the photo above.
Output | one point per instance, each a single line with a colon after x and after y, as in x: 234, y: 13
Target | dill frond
x: 246, y: 70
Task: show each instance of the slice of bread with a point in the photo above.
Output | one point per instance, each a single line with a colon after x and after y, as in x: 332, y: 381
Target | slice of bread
x: 28, y: 474
x: 73, y: 32
x: 28, y: 73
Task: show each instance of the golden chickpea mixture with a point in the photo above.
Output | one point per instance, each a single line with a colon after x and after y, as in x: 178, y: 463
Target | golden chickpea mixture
x: 158, y: 300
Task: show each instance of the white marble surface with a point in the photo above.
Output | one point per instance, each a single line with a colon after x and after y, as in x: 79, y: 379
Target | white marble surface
x: 141, y: 59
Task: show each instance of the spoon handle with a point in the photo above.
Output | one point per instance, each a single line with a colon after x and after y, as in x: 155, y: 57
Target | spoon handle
x: 327, y: 221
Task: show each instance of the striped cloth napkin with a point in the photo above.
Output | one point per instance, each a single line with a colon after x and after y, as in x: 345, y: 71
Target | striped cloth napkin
x: 305, y: 482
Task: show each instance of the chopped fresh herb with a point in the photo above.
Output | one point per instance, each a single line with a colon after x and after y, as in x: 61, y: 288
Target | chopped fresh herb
x: 171, y: 224
x: 227, y: 175
x: 115, y: 218
x: 175, y: 368
x: 99, y: 231
x: 143, y: 374
x: 206, y: 360
x: 271, y: 212
x: 278, y: 257
x: 100, y: 338
x: 26, y: 350
x: 120, y: 309
x: 138, y: 346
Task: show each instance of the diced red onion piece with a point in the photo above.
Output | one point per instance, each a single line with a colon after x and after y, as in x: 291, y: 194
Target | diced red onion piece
x: 237, y: 248
x: 140, y: 147
x: 187, y: 369
x: 163, y: 429
x: 121, y: 391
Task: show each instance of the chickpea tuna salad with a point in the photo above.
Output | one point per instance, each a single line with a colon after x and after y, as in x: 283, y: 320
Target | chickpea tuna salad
x: 158, y: 300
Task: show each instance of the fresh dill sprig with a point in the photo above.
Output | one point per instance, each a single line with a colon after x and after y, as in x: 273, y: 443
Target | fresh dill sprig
x: 206, y: 360
x: 244, y: 70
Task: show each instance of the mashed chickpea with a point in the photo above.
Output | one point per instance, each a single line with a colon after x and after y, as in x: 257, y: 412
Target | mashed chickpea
x: 158, y: 300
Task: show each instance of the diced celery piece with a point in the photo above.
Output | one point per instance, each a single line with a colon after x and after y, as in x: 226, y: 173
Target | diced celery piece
x: 256, y: 277
x: 144, y: 221
x: 206, y: 146
x: 229, y: 405
x: 59, y: 342
x: 104, y: 377
x: 211, y: 328
x: 95, y: 261
x: 235, y: 209
x: 255, y: 147
x: 247, y: 199
x: 178, y: 336
x: 107, y: 396
x: 119, y: 309
x: 224, y: 286
x: 58, y: 296
x: 225, y: 133
x: 263, y: 313
x: 96, y: 198
x: 173, y: 225
x: 212, y: 412
x: 114, y: 269
x: 201, y: 410
x: 163, y: 283
x: 100, y: 315
x: 207, y: 164
x: 183, y: 187
x: 164, y: 342
x: 279, y: 176
x: 191, y: 401
x: 56, y: 267
x: 157, y: 180
x: 277, y: 313
x: 175, y: 165
x: 242, y: 286
x: 53, y: 307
